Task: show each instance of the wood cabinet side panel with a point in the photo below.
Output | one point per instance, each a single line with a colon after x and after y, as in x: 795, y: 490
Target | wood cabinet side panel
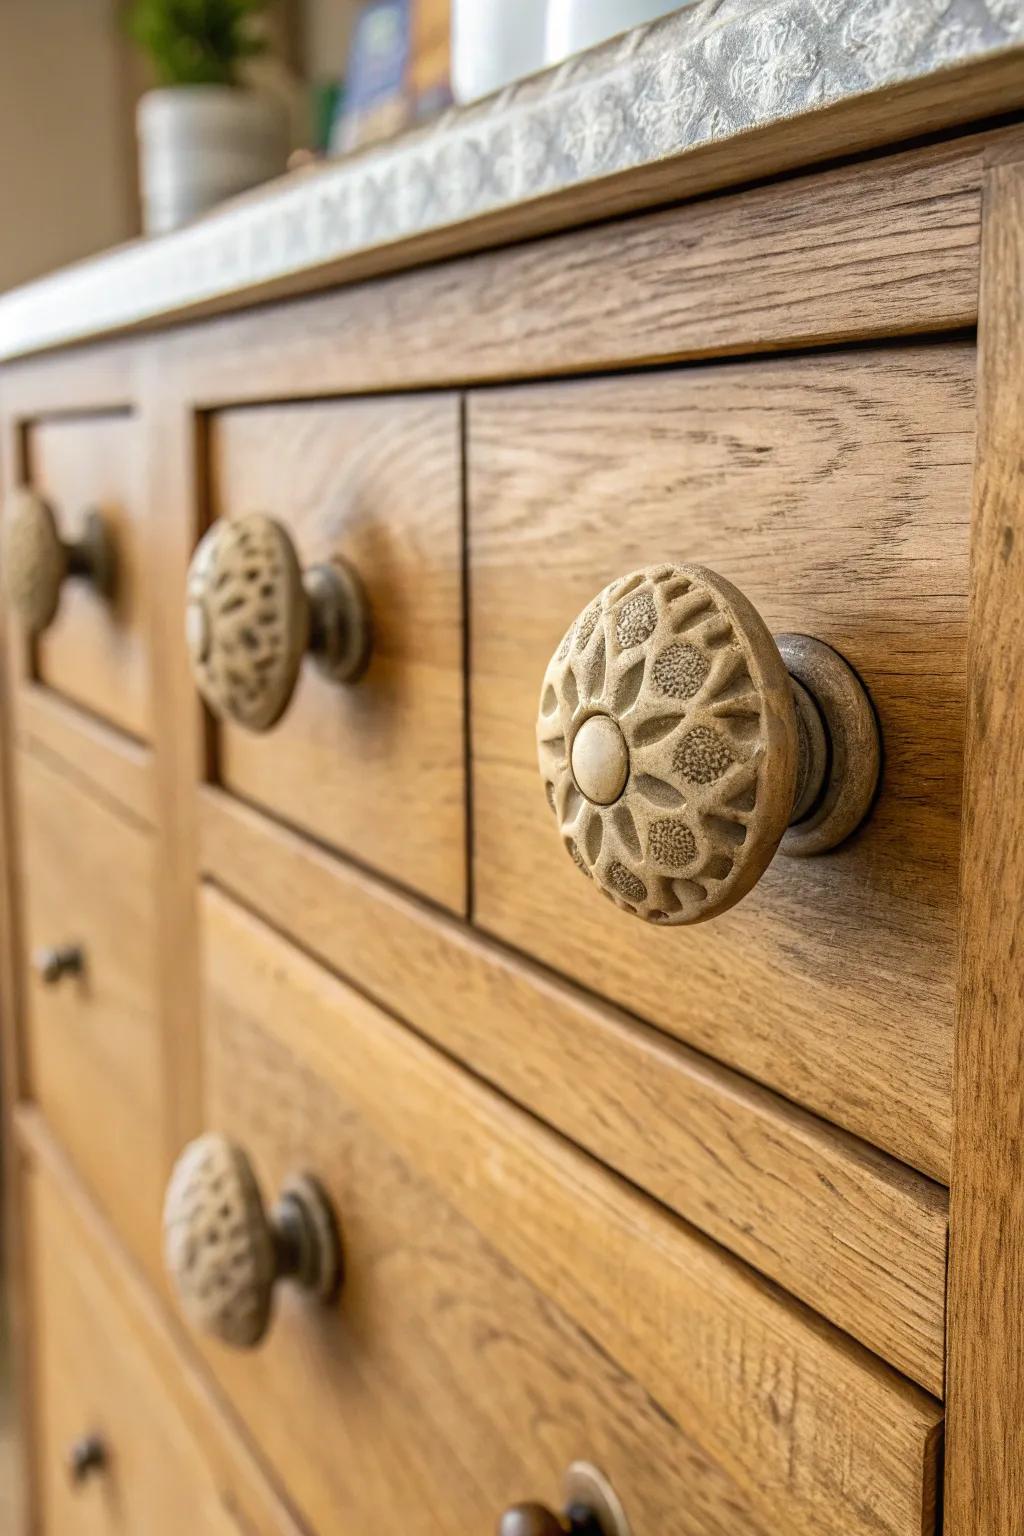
x: 985, y: 1444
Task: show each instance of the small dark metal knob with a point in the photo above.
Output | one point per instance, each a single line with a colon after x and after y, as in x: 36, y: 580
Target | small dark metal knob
x: 86, y: 1457
x: 52, y: 965
x: 592, y: 1508
x: 537, y: 1520
x: 530, y: 1520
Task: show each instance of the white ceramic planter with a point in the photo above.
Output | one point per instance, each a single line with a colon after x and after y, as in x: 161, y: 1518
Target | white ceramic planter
x: 199, y: 144
x: 495, y: 42
x: 577, y: 24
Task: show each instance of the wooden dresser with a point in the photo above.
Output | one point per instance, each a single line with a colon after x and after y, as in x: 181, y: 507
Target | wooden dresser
x: 512, y: 756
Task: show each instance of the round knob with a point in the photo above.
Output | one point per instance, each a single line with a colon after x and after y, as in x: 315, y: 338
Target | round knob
x: 680, y: 744
x: 86, y: 1457
x: 252, y: 614
x: 52, y: 965
x: 225, y: 1253
x: 36, y: 560
x: 592, y: 1508
x: 531, y: 1520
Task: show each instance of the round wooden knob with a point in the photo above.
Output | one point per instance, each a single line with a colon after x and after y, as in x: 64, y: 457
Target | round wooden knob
x: 87, y: 1456
x: 36, y: 560
x: 592, y: 1508
x: 680, y: 744
x: 225, y: 1253
x: 52, y: 965
x: 252, y: 614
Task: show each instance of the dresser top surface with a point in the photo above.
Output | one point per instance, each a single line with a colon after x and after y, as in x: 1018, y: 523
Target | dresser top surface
x: 719, y: 93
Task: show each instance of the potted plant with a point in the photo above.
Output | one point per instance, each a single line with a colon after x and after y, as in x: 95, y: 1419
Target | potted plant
x: 203, y: 134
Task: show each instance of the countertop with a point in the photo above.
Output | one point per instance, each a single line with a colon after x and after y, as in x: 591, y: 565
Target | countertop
x: 718, y: 94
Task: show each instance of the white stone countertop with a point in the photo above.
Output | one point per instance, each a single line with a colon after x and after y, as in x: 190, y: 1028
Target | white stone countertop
x: 720, y: 93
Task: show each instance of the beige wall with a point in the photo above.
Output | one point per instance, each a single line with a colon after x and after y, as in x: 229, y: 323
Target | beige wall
x: 67, y: 174
x: 326, y: 25
x: 69, y: 78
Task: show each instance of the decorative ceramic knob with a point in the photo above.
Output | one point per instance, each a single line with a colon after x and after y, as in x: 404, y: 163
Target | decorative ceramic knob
x: 592, y: 1508
x: 52, y: 965
x: 36, y: 560
x: 252, y: 614
x: 680, y: 744
x: 225, y: 1253
x: 87, y: 1456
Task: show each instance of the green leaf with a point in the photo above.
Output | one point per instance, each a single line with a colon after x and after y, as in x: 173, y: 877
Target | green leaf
x: 197, y: 42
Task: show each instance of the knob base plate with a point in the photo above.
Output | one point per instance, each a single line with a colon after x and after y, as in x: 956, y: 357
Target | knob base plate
x: 305, y: 1220
x: 93, y: 554
x: 340, y: 630
x: 854, y: 757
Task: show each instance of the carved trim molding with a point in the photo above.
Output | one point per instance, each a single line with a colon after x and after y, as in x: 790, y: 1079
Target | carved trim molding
x: 714, y: 71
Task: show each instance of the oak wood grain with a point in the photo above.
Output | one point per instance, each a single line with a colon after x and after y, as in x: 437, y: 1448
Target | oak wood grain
x: 835, y: 492
x: 839, y: 1224
x: 93, y: 1041
x: 985, y: 1468
x: 376, y: 768
x: 100, y: 377
x: 20, y: 1450
x: 120, y: 767
x: 508, y: 1303
x: 175, y: 489
x: 885, y: 248
x: 108, y: 1364
x: 96, y: 652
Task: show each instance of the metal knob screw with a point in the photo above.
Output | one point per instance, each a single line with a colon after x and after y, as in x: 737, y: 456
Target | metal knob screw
x: 52, y: 965
x: 86, y: 1457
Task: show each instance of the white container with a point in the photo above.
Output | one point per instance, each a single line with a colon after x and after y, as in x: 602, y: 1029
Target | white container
x: 199, y: 144
x: 574, y: 25
x: 495, y: 42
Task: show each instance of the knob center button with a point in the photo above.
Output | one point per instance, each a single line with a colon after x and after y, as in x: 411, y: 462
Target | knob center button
x: 600, y: 760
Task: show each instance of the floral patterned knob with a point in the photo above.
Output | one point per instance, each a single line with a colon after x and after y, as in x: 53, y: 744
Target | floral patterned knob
x: 225, y: 1253
x: 252, y: 614
x: 680, y: 744
x: 37, y: 561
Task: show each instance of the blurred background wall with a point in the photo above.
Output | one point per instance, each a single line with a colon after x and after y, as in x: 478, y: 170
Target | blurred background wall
x: 67, y: 158
x: 69, y: 81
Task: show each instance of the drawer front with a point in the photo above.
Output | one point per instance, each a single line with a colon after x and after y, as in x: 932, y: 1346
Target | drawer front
x: 376, y: 768
x: 835, y: 492
x: 508, y: 1306
x: 97, y: 652
x: 103, y: 1371
x: 93, y: 1039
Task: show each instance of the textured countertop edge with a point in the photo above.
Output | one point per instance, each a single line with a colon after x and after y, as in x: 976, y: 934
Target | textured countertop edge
x: 721, y: 92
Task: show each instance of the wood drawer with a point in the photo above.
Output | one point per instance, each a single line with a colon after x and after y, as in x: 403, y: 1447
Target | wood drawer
x: 104, y: 1367
x: 97, y: 651
x: 835, y: 492
x: 509, y: 1305
x: 94, y: 1057
x: 376, y: 769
